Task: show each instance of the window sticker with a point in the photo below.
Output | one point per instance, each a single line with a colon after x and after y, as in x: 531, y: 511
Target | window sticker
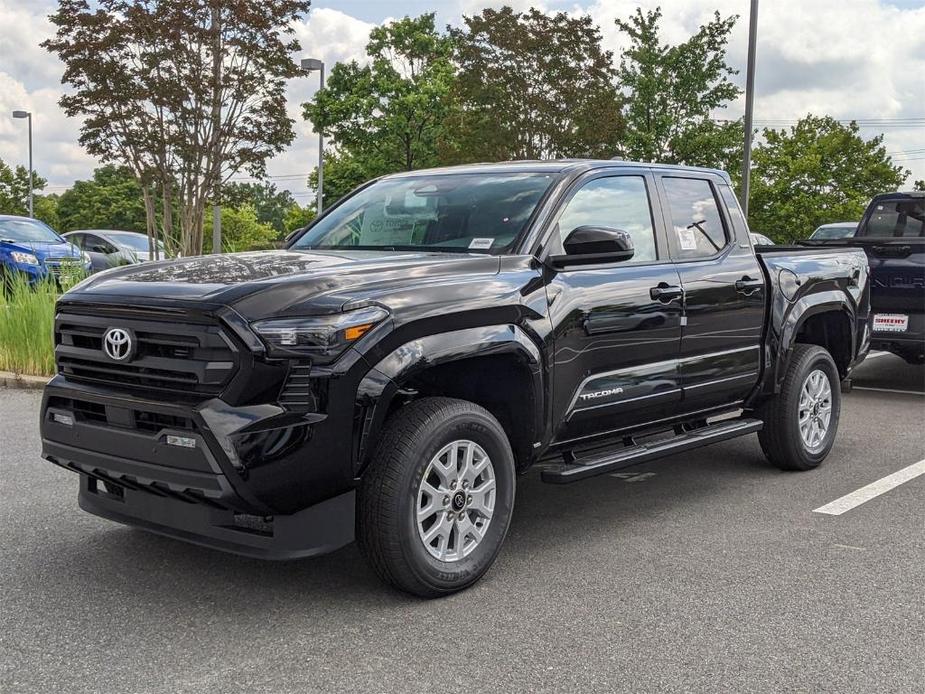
x: 687, y: 239
x: 481, y: 244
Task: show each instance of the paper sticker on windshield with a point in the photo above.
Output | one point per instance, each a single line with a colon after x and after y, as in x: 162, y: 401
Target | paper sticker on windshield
x: 481, y: 244
x: 687, y: 239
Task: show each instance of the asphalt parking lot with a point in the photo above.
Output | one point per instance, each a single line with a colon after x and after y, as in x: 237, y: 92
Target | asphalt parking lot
x: 705, y: 572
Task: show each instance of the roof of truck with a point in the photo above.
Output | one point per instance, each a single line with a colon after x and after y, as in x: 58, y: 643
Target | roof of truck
x: 554, y: 166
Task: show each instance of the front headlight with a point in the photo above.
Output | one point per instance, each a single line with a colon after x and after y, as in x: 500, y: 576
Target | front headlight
x: 322, y: 338
x: 24, y: 258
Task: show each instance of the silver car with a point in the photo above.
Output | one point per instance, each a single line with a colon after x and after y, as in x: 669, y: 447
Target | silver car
x: 109, y: 248
x: 838, y: 230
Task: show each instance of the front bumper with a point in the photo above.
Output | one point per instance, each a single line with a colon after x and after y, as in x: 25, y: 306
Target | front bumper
x: 319, y: 529
x: 219, y: 487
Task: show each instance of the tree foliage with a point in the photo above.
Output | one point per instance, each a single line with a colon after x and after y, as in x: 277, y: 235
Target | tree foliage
x: 818, y: 171
x: 112, y: 199
x: 270, y: 205
x: 388, y: 115
x: 241, y: 231
x: 14, y: 189
x: 532, y: 85
x: 673, y: 90
x: 184, y: 92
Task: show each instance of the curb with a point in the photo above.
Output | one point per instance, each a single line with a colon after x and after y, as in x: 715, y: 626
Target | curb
x: 23, y: 381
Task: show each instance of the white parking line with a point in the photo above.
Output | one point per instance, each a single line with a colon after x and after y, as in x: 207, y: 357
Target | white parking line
x: 872, y: 490
x: 887, y: 390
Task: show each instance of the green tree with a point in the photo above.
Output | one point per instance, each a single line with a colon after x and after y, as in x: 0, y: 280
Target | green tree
x: 818, y: 171
x: 298, y: 217
x: 532, y: 86
x: 112, y: 199
x: 241, y: 231
x: 673, y: 90
x: 184, y: 92
x: 14, y: 189
x: 388, y: 115
x: 919, y: 185
x: 270, y: 204
x: 45, y: 207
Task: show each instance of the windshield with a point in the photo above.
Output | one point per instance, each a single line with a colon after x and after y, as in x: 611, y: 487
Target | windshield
x: 466, y: 213
x: 137, y: 242
x: 841, y: 232
x: 896, y: 218
x: 27, y: 231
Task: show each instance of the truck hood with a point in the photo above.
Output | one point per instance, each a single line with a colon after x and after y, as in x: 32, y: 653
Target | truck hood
x: 281, y: 282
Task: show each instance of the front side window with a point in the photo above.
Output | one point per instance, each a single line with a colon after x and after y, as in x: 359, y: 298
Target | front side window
x: 616, y: 202
x: 467, y: 213
x: 696, y: 224
x: 896, y: 218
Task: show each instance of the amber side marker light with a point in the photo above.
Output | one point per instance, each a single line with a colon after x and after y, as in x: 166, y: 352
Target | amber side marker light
x: 355, y: 332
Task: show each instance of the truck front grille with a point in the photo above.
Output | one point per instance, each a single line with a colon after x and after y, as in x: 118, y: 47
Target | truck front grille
x: 167, y: 356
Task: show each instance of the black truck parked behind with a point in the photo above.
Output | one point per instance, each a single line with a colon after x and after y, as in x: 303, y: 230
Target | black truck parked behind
x: 431, y: 336
x: 892, y: 234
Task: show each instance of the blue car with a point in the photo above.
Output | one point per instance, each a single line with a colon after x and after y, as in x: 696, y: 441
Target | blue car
x: 33, y: 250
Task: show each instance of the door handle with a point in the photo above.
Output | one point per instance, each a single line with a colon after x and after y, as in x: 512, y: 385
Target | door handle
x: 748, y: 286
x: 665, y: 292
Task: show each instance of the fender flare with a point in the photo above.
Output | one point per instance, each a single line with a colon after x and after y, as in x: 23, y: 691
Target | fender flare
x: 804, y: 308
x: 382, y: 382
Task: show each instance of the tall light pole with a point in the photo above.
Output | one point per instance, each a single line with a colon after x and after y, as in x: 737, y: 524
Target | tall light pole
x: 749, y: 103
x: 28, y: 115
x: 310, y: 65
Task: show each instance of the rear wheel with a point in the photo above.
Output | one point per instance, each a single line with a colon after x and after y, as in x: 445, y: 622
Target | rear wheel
x: 436, y: 501
x: 801, y: 421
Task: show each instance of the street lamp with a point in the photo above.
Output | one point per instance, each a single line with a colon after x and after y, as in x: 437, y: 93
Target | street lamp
x: 27, y: 115
x: 310, y: 65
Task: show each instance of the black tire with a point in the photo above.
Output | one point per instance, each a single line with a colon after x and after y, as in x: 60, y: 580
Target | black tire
x: 780, y: 438
x: 387, y: 527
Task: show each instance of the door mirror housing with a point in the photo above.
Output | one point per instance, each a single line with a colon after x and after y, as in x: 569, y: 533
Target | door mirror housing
x: 588, y: 245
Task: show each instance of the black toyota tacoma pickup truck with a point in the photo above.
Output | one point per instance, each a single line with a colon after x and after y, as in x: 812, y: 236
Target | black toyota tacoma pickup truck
x: 892, y: 234
x: 432, y: 335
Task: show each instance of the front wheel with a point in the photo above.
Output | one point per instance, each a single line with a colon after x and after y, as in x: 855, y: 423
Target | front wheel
x: 436, y: 501
x: 801, y: 421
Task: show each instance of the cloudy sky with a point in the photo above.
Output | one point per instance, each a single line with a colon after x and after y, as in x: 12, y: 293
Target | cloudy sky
x: 860, y: 59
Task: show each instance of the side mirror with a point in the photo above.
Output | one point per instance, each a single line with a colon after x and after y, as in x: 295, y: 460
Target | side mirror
x: 587, y: 245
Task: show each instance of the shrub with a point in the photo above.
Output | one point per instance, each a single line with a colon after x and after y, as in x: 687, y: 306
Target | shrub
x: 27, y: 317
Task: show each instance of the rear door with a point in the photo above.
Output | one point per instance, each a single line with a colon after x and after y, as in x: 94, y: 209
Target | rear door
x: 724, y: 289
x: 616, y: 326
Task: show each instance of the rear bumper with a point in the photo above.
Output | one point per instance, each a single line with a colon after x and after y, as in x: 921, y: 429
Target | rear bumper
x: 911, y: 340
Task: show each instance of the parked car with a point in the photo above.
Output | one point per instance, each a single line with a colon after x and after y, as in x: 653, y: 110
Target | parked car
x: 433, y: 334
x: 109, y: 248
x: 892, y: 233
x: 760, y: 239
x: 31, y: 249
x: 838, y: 230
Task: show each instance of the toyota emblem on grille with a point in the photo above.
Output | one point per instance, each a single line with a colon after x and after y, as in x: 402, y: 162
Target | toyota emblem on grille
x: 117, y: 343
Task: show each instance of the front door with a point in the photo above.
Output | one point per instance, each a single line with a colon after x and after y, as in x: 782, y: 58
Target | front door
x: 724, y: 291
x: 616, y: 326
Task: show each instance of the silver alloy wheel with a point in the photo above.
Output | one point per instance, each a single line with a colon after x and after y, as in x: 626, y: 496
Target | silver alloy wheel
x: 456, y: 500
x: 815, y: 410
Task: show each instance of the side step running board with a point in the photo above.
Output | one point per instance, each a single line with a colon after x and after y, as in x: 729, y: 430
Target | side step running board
x: 611, y: 461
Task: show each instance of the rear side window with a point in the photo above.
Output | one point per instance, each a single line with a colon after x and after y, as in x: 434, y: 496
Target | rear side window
x: 697, y: 225
x: 896, y: 218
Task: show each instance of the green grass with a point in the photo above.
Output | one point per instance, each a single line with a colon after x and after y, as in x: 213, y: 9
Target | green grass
x: 27, y: 317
